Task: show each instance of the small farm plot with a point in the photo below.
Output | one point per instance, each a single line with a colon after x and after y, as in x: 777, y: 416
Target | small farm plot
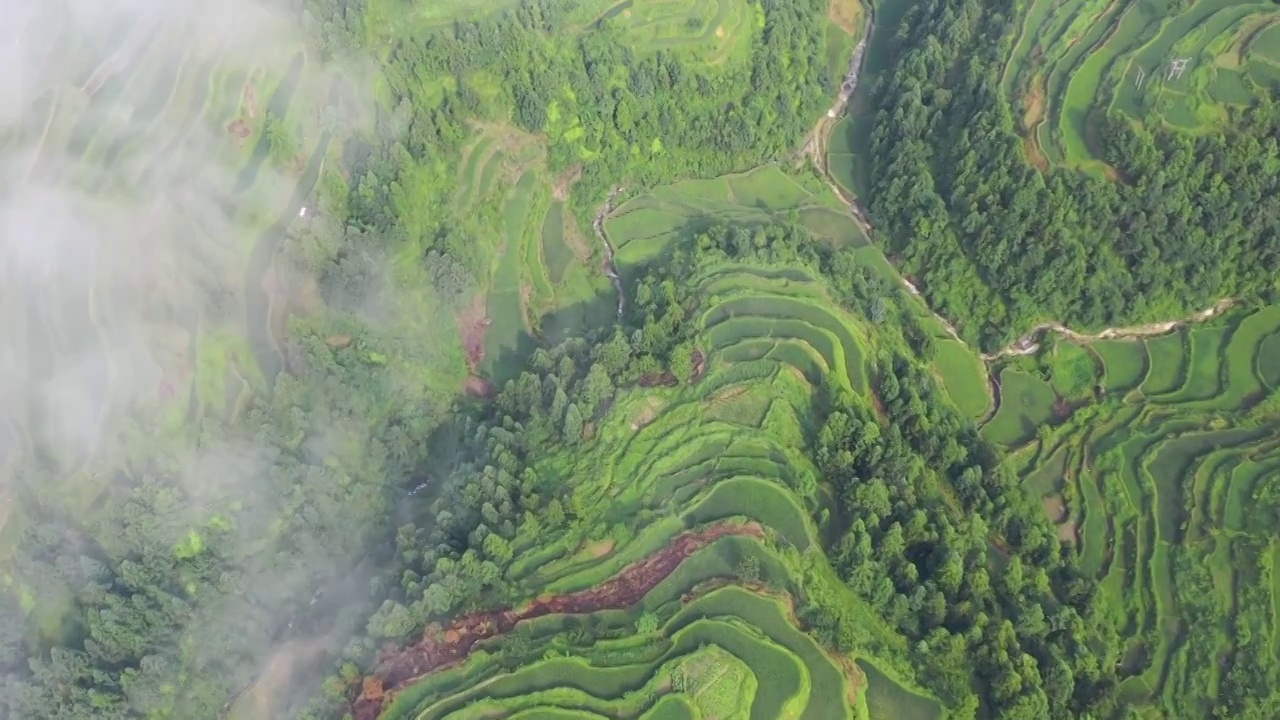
x: 555, y: 246
x: 1026, y: 404
x: 505, y: 304
x: 1124, y: 363
x: 964, y: 376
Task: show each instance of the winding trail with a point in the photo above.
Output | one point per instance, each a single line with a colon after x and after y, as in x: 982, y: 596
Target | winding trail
x: 610, y: 266
x: 815, y: 148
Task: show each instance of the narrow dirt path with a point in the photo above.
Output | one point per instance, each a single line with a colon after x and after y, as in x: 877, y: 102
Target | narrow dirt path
x: 610, y: 267
x: 815, y: 148
x: 1027, y: 344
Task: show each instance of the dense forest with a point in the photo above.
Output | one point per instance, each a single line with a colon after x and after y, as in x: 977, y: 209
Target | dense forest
x: 998, y: 245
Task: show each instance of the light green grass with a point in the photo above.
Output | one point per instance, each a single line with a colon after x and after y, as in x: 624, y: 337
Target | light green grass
x: 887, y: 700
x: 1124, y: 363
x: 758, y: 499
x: 503, y: 302
x: 1168, y: 363
x: 964, y: 376
x: 1026, y: 405
x: 555, y: 247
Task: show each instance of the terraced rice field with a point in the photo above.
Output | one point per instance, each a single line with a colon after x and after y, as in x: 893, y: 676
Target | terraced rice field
x: 673, y: 594
x: 964, y: 377
x: 1183, y: 65
x: 1167, y: 484
x: 712, y: 31
x: 646, y: 226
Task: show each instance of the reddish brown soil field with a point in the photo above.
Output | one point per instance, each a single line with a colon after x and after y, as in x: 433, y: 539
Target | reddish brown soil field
x: 239, y: 129
x: 478, y: 387
x: 473, y: 323
x: 442, y: 646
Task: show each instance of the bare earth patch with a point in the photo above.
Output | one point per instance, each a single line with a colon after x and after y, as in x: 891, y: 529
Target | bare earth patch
x: 575, y: 239
x: 598, y: 549
x: 473, y: 322
x: 720, y: 31
x: 646, y: 414
x: 260, y: 699
x: 560, y: 188
x: 727, y: 394
x: 847, y: 14
x: 1055, y: 508
x: 1067, y: 533
x: 1031, y: 119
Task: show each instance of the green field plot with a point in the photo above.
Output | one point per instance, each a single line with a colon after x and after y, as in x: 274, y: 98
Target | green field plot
x: 1203, y: 379
x: 504, y: 303
x: 1124, y: 363
x: 475, y: 159
x: 711, y: 31
x: 767, y: 188
x: 1073, y: 371
x: 730, y: 653
x: 1267, y: 362
x: 1167, y: 364
x: 757, y: 499
x: 1026, y: 405
x: 834, y: 225
x: 555, y: 247
x: 647, y: 226
x: 965, y: 378
x: 888, y: 700
x: 779, y: 316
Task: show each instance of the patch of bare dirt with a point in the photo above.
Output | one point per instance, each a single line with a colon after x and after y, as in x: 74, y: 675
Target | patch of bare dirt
x: 847, y: 14
x: 720, y: 31
x: 338, y: 341
x: 473, y: 323
x: 1034, y: 155
x: 599, y: 549
x: 1032, y: 116
x: 239, y: 129
x: 444, y: 646
x: 728, y: 394
x: 249, y: 100
x: 1067, y: 533
x: 1055, y: 507
x: 560, y: 188
x: 261, y: 699
x: 477, y: 386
